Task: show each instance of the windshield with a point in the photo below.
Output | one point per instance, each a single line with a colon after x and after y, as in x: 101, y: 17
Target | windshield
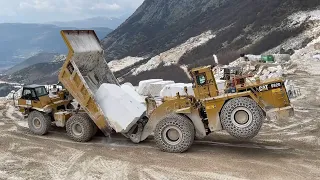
x: 41, y: 91
x: 201, y: 79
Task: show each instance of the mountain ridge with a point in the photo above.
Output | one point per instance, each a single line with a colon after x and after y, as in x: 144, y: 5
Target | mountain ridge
x: 99, y: 21
x: 24, y: 40
x: 157, y: 26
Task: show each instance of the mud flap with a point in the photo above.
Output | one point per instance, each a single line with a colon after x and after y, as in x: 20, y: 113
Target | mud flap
x: 280, y: 113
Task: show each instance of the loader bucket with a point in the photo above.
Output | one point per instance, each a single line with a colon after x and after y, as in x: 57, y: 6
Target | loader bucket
x: 280, y: 113
x: 84, y: 70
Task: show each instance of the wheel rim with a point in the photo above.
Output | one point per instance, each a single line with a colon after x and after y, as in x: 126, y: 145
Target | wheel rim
x: 77, y: 129
x: 172, y: 135
x: 36, y: 123
x: 241, y: 117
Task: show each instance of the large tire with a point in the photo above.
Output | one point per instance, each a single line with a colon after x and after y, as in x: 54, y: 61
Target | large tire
x: 95, y: 128
x: 79, y: 128
x: 175, y: 133
x: 39, y: 123
x: 242, y: 118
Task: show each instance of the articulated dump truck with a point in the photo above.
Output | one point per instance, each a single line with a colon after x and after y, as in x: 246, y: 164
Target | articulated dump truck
x: 175, y: 123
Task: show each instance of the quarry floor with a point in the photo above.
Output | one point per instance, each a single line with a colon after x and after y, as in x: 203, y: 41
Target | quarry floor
x: 286, y: 149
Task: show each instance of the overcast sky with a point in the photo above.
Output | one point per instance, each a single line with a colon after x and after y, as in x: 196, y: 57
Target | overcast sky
x: 41, y: 11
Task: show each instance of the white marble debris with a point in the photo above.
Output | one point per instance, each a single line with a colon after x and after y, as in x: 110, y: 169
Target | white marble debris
x: 143, y: 88
x: 155, y: 88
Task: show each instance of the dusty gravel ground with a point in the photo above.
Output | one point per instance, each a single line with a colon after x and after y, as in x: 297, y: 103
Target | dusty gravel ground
x: 286, y: 149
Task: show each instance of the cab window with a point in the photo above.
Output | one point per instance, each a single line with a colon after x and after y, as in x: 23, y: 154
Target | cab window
x: 41, y: 91
x: 201, y: 79
x: 29, y: 94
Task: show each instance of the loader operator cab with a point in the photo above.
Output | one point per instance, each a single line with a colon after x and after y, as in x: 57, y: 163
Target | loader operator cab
x: 204, y: 83
x: 34, y: 92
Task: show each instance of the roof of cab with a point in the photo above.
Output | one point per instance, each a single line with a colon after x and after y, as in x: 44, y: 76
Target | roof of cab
x: 33, y: 86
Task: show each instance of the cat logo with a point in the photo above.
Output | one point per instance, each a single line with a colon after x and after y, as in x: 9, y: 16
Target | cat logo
x: 275, y: 85
x: 263, y: 88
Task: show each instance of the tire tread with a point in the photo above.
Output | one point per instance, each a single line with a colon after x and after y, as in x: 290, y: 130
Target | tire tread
x: 85, y: 122
x: 247, y: 132
x: 182, y: 123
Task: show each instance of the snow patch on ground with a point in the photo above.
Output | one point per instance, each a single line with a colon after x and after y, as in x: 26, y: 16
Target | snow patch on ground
x: 296, y: 20
x: 300, y: 17
x: 173, y: 55
x: 117, y: 65
x: 153, y: 63
x: 305, y: 58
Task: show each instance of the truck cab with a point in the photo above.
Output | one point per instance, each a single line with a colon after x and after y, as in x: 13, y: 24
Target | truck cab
x: 34, y: 96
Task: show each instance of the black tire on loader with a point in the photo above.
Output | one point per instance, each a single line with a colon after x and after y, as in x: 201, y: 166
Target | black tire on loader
x: 175, y: 133
x: 39, y: 123
x: 79, y: 128
x: 242, y: 118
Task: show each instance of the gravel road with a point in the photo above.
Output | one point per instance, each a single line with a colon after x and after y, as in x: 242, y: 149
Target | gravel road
x: 283, y: 150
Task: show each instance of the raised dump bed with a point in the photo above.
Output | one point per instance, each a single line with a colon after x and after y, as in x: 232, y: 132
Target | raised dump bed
x: 84, y: 71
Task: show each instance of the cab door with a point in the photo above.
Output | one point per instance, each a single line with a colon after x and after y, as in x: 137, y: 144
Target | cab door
x: 202, y: 86
x: 29, y: 98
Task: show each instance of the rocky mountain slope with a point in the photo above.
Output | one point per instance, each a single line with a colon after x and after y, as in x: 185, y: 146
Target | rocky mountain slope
x: 21, y: 41
x: 161, y: 37
x: 40, y: 73
x: 161, y: 31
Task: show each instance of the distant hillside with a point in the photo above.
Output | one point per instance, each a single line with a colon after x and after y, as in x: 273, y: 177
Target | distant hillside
x: 41, y: 73
x: 21, y: 41
x: 39, y: 58
x: 110, y: 22
x: 6, y: 88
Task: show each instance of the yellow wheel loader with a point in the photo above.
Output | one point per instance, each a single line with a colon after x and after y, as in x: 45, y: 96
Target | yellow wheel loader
x: 177, y: 120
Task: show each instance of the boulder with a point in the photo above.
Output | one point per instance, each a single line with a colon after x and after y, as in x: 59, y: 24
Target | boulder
x: 129, y: 89
x: 120, y: 109
x: 172, y: 89
x: 143, y: 88
x: 155, y: 88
